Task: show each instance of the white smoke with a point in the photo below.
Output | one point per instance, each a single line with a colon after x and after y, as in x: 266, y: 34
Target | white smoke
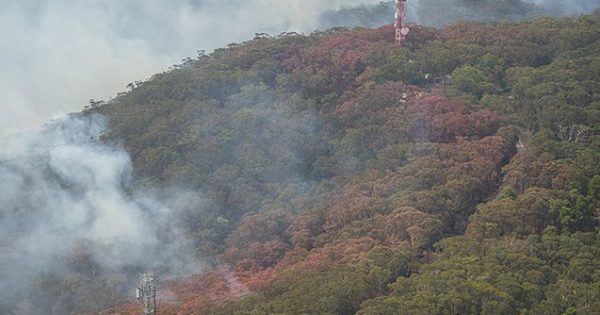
x: 439, y: 13
x: 58, y: 54
x: 564, y: 7
x: 62, y: 188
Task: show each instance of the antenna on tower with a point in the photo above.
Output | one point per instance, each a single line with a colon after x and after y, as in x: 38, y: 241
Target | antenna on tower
x: 146, y: 292
x: 401, y: 26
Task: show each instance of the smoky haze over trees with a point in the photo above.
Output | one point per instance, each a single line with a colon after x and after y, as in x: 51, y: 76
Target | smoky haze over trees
x: 71, y: 225
x: 60, y: 53
x: 414, y: 199
x: 324, y: 173
x: 439, y: 13
x: 397, y: 182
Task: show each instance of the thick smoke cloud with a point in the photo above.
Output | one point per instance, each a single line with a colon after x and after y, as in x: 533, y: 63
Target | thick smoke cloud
x: 58, y: 54
x: 62, y: 191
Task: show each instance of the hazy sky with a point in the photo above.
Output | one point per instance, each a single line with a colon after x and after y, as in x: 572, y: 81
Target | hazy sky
x: 57, y: 54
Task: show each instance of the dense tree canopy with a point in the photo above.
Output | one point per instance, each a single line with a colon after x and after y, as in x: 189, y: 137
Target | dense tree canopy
x: 458, y: 175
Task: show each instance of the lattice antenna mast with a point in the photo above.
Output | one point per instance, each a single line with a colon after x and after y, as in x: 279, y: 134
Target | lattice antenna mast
x: 146, y: 292
x: 401, y: 26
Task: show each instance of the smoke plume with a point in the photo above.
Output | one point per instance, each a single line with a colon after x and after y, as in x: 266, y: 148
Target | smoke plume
x: 68, y: 211
x: 58, y: 54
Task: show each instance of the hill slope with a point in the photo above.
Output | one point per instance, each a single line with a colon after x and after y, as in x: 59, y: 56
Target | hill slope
x: 343, y: 180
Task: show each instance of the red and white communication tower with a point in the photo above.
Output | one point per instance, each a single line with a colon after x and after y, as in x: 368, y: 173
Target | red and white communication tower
x: 401, y: 26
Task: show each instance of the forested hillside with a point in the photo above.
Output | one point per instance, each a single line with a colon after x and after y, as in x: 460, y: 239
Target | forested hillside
x: 344, y: 175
